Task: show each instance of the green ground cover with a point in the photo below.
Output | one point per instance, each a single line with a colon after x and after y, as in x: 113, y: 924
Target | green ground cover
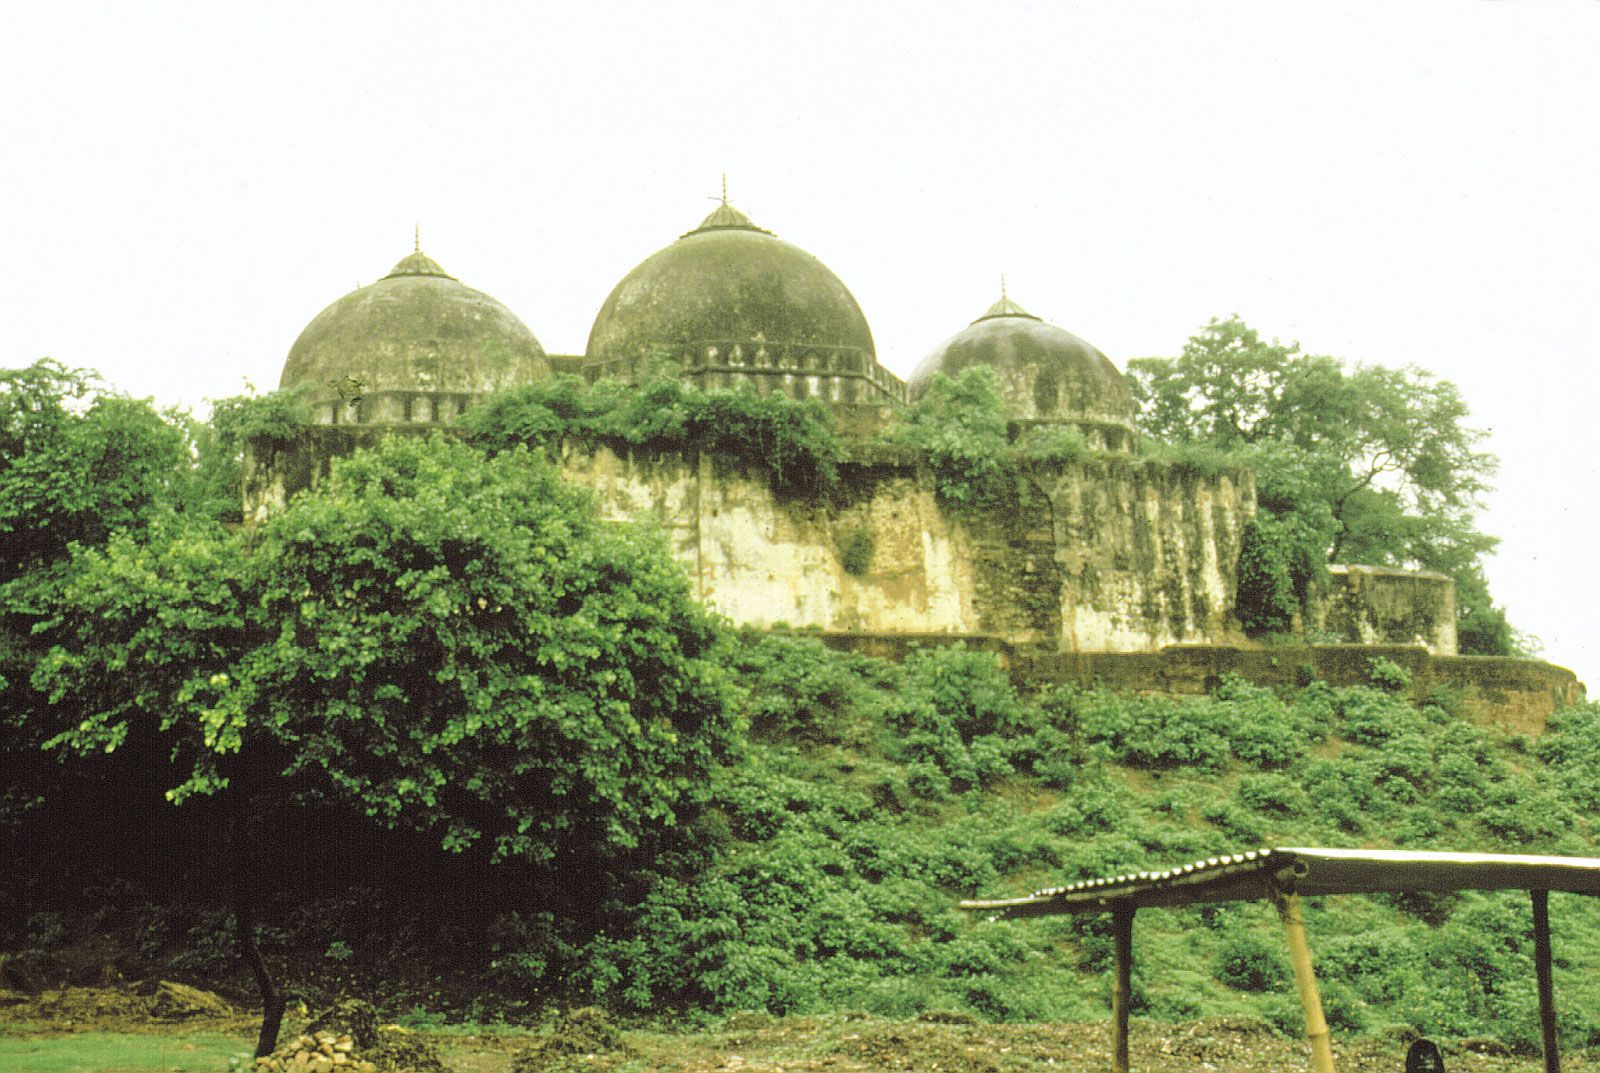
x: 114, y: 1052
x: 868, y: 798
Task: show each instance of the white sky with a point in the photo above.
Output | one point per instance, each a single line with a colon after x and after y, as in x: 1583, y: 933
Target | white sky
x: 185, y: 185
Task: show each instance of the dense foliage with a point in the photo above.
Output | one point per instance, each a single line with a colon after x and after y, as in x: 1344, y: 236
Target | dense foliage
x: 878, y: 795
x: 436, y: 649
x: 1354, y: 464
x: 961, y: 426
x: 79, y: 464
x: 793, y: 441
x: 435, y: 639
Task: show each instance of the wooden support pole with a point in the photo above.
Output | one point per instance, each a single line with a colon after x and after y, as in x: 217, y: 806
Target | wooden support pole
x: 1306, y: 982
x: 1547, y: 991
x: 1121, y: 985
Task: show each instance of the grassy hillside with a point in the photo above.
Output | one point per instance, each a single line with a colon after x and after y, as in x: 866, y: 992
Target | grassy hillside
x: 874, y: 796
x: 869, y: 799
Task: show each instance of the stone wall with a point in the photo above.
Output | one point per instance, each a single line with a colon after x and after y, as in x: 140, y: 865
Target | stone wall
x: 1111, y: 554
x: 1515, y: 695
x: 1375, y: 605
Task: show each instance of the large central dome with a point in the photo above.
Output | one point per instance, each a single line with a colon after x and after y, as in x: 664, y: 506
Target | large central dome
x: 726, y: 284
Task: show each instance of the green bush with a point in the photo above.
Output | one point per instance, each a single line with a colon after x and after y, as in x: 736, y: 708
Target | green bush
x: 961, y: 425
x: 1249, y: 960
x: 793, y: 441
x: 855, y: 551
x: 1280, y: 566
x: 1388, y: 675
x: 1158, y: 733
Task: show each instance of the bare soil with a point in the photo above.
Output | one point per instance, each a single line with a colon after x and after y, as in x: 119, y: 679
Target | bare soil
x: 756, y: 1043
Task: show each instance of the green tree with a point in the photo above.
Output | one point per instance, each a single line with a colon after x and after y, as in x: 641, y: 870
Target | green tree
x: 439, y: 641
x: 1354, y: 463
x: 78, y: 463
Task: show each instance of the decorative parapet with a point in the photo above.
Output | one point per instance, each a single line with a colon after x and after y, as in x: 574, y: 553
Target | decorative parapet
x: 837, y: 374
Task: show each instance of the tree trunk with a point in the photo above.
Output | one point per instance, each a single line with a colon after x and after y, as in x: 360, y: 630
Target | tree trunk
x: 244, y: 922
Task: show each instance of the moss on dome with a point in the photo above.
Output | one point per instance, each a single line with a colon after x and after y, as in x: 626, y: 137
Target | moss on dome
x: 1046, y: 373
x: 727, y: 281
x: 418, y: 329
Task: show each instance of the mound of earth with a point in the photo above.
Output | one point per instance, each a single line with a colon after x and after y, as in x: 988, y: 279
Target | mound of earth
x: 579, y: 1036
x: 147, y: 1007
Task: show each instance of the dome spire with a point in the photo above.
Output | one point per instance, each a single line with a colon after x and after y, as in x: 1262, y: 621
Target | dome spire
x: 1005, y: 307
x: 725, y: 217
x: 417, y: 263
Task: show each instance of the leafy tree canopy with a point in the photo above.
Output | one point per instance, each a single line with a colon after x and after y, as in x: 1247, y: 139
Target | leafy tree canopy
x: 77, y: 463
x: 1361, y: 464
x: 440, y: 641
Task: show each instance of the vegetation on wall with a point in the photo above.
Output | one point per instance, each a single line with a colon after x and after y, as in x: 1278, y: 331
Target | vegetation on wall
x: 792, y: 440
x: 961, y: 425
x: 1354, y: 464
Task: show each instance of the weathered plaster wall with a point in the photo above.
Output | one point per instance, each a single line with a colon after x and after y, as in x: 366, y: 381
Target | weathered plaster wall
x: 1148, y: 554
x: 1376, y: 605
x: 764, y: 563
x: 1109, y: 554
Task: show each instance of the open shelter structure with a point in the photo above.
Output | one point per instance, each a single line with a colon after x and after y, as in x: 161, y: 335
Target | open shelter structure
x: 1282, y: 876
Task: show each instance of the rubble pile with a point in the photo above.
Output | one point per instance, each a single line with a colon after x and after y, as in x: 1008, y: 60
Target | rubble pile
x: 322, y: 1052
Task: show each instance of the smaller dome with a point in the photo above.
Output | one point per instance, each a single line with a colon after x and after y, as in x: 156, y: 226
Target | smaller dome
x: 1046, y: 373
x: 416, y: 332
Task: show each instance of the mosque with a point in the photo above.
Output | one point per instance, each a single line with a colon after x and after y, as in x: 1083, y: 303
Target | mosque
x: 1113, y: 553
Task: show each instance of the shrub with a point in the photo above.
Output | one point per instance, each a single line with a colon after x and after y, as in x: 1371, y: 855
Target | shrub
x: 855, y: 551
x: 1052, y: 445
x: 961, y: 425
x: 1246, y: 960
x: 1157, y: 733
x: 1388, y: 675
x: 1279, y: 567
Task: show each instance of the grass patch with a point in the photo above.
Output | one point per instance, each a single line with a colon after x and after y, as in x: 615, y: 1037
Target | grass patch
x: 114, y: 1052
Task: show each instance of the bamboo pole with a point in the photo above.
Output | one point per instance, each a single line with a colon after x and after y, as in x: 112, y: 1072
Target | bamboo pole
x: 1121, y: 985
x: 1306, y: 982
x: 1547, y: 993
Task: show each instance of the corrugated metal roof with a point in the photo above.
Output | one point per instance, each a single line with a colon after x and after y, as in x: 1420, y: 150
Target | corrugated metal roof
x: 1309, y: 871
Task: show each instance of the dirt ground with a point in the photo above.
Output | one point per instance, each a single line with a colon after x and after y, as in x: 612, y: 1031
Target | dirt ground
x: 756, y: 1043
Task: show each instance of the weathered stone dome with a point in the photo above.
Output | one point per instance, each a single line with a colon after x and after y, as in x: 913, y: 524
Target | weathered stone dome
x: 726, y: 284
x: 1046, y: 373
x: 417, y: 345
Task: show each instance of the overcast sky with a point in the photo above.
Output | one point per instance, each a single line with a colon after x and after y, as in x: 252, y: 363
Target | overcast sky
x: 185, y: 186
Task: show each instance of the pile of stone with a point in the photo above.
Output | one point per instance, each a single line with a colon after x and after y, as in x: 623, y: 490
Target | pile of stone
x: 320, y: 1052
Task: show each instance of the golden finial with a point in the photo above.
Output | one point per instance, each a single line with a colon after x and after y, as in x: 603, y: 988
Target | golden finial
x: 416, y: 237
x: 724, y: 189
x: 1002, y: 286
